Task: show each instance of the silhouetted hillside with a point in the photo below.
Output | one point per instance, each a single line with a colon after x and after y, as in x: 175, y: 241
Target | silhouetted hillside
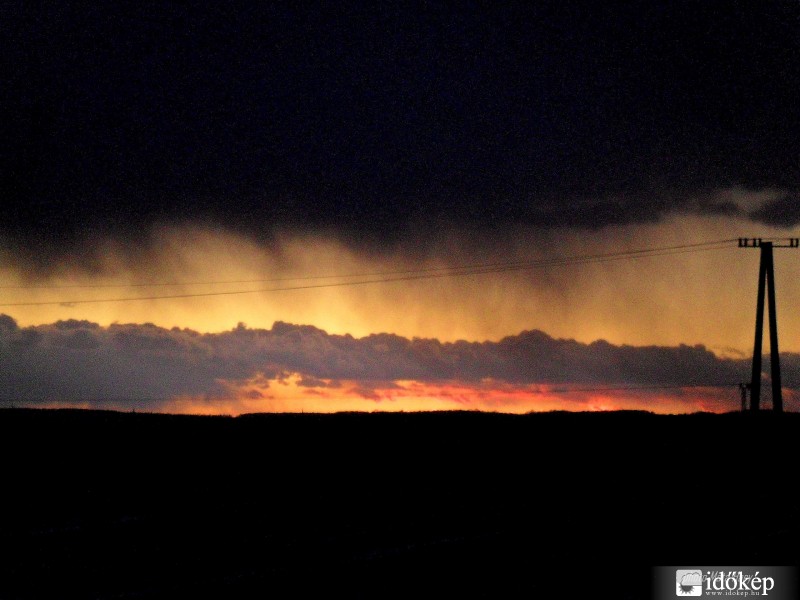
x: 555, y: 505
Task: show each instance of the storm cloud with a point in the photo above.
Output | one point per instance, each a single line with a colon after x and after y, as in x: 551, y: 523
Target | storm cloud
x: 82, y: 362
x: 373, y: 124
x: 781, y: 212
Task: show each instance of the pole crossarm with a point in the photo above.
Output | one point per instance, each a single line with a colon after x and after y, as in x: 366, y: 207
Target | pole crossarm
x: 774, y: 242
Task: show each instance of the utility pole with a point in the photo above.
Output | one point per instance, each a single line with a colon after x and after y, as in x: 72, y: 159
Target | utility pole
x: 766, y: 278
x: 743, y: 387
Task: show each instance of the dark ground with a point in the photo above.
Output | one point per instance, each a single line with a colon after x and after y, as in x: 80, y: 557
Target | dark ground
x: 445, y: 505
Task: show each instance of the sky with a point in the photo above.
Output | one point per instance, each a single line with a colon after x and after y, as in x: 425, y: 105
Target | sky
x: 201, y: 150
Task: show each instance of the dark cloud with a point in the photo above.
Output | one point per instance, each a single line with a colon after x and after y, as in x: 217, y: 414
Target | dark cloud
x: 314, y: 382
x: 370, y: 122
x: 783, y: 212
x: 76, y: 361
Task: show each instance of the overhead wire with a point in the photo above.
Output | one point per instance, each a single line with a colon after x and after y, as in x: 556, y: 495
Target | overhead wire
x: 404, y: 275
x: 557, y: 260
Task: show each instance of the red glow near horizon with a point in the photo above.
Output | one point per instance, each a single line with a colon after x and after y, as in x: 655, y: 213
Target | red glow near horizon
x: 292, y: 393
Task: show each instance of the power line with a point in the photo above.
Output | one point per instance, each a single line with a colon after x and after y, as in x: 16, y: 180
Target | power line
x: 413, y: 275
x: 558, y: 260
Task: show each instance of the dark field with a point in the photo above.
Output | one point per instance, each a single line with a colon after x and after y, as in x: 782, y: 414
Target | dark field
x: 445, y: 505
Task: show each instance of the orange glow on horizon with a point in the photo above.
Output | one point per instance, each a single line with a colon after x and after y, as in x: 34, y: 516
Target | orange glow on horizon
x: 703, y: 298
x: 289, y: 393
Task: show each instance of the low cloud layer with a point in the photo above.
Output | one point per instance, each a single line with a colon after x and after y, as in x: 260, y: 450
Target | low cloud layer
x: 81, y: 363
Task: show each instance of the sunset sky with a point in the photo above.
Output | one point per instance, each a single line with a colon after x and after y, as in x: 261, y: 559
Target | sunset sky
x: 157, y: 150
